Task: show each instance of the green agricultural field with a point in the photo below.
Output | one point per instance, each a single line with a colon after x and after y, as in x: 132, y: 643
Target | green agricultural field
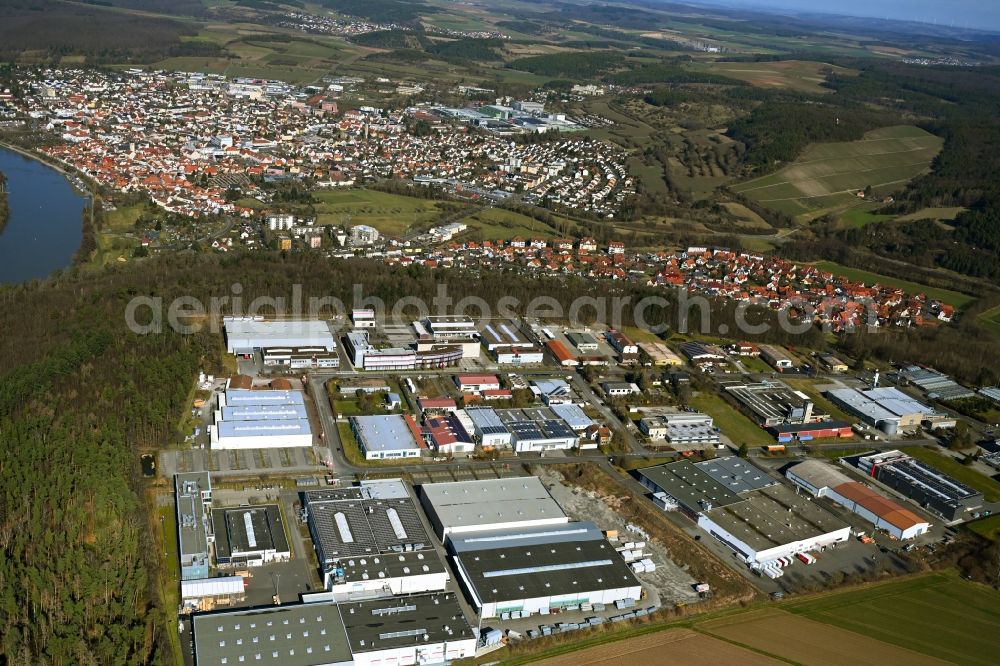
x: 737, y: 427
x: 938, y: 615
x: 800, y: 75
x: 828, y: 176
x: 991, y: 319
x: 970, y: 477
x: 391, y: 214
x: 954, y: 298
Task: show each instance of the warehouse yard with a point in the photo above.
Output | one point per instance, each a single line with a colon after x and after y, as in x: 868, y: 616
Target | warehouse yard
x: 684, y: 646
x: 668, y: 584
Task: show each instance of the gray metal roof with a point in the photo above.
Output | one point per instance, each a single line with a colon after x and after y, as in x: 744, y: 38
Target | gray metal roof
x: 736, y: 474
x: 291, y: 635
x: 544, y: 570
x: 263, y: 412
x: 249, y: 529
x: 264, y: 428
x: 345, y: 524
x: 244, y: 397
x: 694, y: 489
x: 242, y: 335
x: 775, y: 516
x: 472, y: 504
x: 525, y: 536
x: 487, y: 420
x: 573, y: 415
x: 818, y: 474
x: 388, y: 432
x: 384, y: 624
x: 192, y: 522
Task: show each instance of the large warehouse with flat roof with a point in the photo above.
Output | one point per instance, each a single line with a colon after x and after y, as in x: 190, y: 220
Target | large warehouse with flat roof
x: 683, y: 486
x: 823, y: 480
x: 489, y: 504
x: 388, y: 436
x: 250, y: 536
x: 262, y: 434
x: 545, y: 577
x: 245, y: 335
x: 773, y: 522
x: 369, y: 539
x: 743, y: 507
x: 887, y: 408
x: 922, y: 483
x: 419, y: 629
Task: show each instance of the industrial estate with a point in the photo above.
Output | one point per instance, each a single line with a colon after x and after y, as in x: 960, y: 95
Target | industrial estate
x: 347, y: 499
x: 493, y: 333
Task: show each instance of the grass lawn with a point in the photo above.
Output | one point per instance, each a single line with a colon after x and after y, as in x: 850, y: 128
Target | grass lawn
x: 391, y: 214
x: 755, y: 364
x: 737, y: 427
x: 957, y: 299
x: 347, y: 407
x: 859, y: 216
x: 352, y: 450
x: 970, y: 477
x: 939, y: 615
x: 991, y: 320
x: 498, y: 224
x: 987, y: 527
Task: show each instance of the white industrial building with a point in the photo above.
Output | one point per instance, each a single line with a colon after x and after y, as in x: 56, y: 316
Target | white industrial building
x: 536, y: 429
x: 681, y: 429
x: 389, y: 436
x: 246, y: 335
x: 543, y: 575
x: 823, y: 480
x: 260, y: 420
x: 206, y: 593
x: 771, y: 523
x: 488, y: 429
x: 492, y: 504
x: 743, y: 507
x: 519, y: 356
x: 418, y: 629
x: 300, y: 358
x: 268, y: 434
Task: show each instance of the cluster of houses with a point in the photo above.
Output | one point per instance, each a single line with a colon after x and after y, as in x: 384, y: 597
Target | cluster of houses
x: 828, y: 299
x: 188, y: 139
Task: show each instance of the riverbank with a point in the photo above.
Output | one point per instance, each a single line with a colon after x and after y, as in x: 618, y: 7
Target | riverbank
x: 4, y: 204
x: 81, y: 184
x: 44, y: 220
x: 4, y: 208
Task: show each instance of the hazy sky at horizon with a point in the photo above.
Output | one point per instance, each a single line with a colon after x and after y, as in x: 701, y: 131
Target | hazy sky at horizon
x: 982, y: 14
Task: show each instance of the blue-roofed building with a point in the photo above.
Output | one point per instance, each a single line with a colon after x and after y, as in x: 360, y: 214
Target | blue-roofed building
x: 261, y: 434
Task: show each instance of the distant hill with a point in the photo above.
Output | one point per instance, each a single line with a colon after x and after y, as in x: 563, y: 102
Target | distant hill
x: 42, y: 30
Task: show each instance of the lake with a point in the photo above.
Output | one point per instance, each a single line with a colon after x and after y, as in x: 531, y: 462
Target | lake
x: 46, y: 217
